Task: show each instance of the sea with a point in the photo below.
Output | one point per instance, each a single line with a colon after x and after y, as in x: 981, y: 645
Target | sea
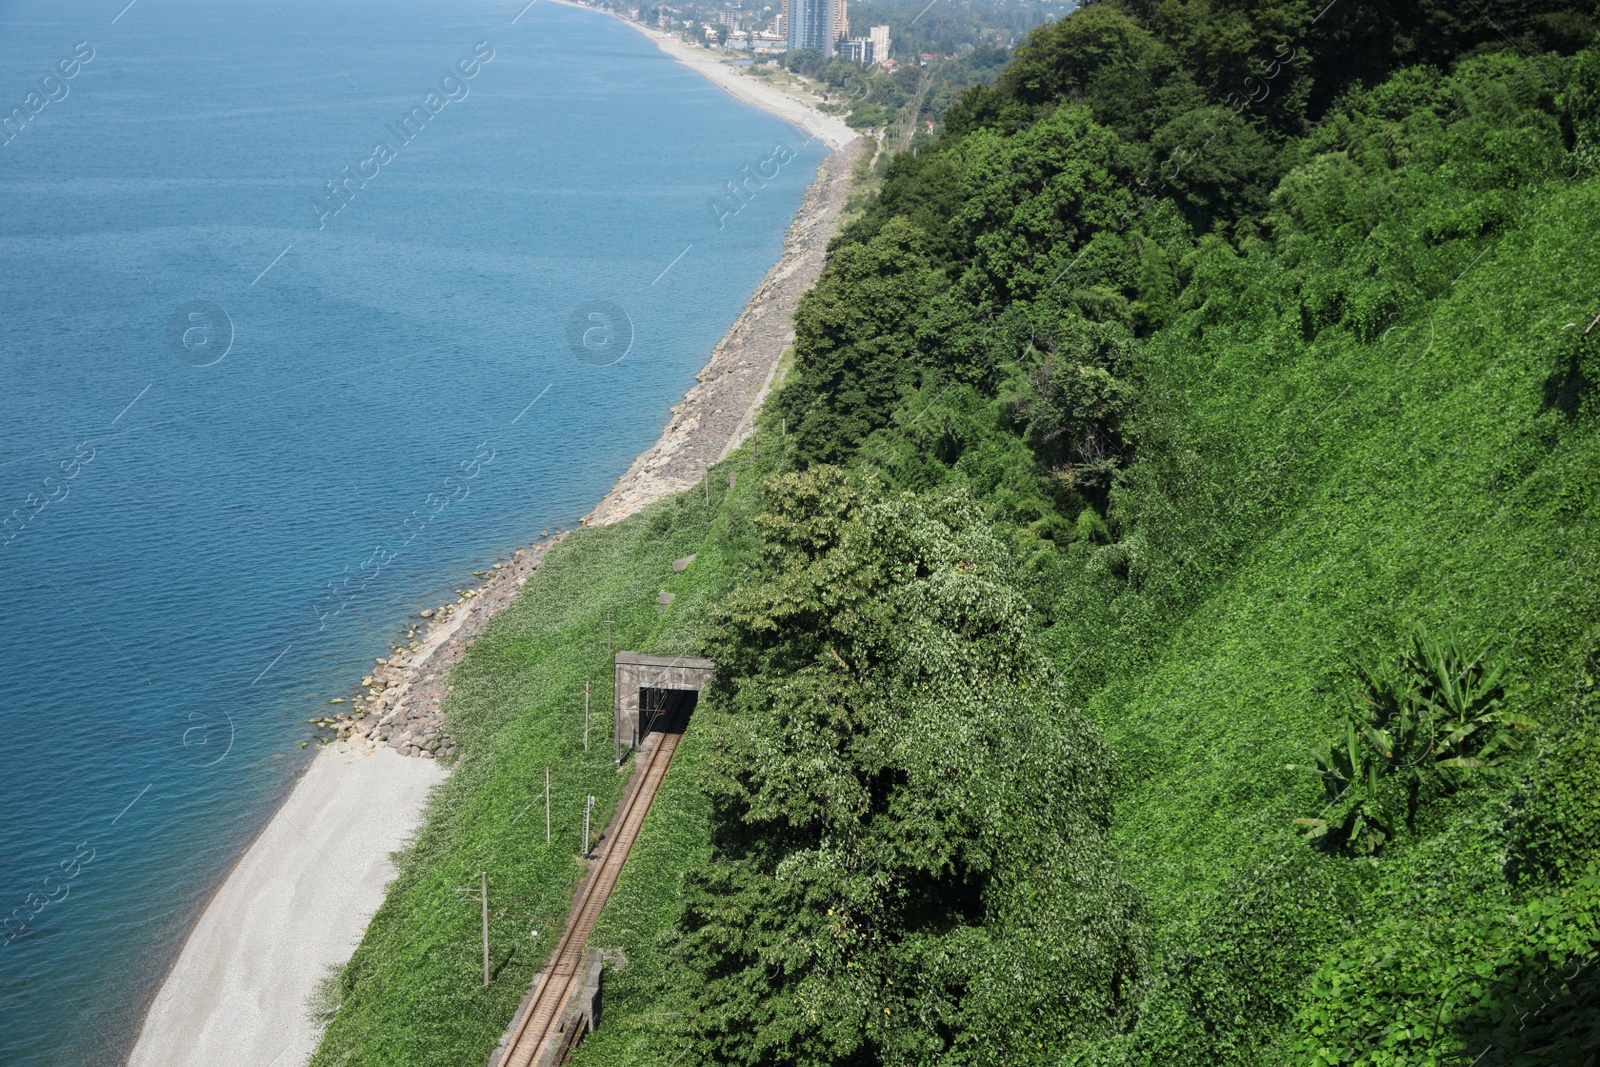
x: 309, y: 309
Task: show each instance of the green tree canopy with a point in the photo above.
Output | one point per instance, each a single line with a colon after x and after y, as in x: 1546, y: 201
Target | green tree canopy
x: 909, y: 825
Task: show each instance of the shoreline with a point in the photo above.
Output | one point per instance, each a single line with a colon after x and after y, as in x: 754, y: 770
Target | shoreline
x: 296, y: 901
x: 295, y: 904
x: 831, y: 130
x: 717, y: 414
x: 293, y: 907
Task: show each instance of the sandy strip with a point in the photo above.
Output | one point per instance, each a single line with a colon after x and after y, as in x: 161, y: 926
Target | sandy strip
x: 299, y: 900
x: 296, y: 904
x: 829, y: 129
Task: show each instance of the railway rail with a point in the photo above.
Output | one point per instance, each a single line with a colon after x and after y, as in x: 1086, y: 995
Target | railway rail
x: 536, y: 1035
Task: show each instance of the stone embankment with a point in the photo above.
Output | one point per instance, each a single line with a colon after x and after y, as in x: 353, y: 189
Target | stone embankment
x: 718, y: 413
x: 399, y: 702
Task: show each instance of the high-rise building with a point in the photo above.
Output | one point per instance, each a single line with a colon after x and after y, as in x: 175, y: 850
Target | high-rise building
x: 879, y: 36
x: 841, y: 19
x: 811, y: 25
x: 868, y: 51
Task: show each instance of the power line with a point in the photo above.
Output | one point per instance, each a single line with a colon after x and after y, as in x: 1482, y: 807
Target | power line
x: 483, y: 898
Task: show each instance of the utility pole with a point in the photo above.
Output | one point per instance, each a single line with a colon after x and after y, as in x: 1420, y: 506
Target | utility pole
x: 547, y: 803
x: 608, y: 635
x: 483, y: 898
x: 586, y: 715
x: 587, y: 811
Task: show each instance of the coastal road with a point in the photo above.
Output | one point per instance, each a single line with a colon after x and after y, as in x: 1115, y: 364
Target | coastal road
x: 536, y: 1028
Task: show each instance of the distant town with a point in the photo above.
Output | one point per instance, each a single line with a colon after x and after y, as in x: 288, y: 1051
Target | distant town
x: 819, y: 25
x: 917, y: 58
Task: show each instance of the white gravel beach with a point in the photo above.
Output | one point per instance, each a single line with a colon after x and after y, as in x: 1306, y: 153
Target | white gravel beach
x: 294, y: 905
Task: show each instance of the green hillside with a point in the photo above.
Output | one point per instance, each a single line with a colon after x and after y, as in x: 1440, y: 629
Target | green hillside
x: 1162, y: 624
x: 1248, y: 430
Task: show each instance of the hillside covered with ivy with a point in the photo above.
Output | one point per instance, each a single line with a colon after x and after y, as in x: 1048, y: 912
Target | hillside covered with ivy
x: 1161, y: 626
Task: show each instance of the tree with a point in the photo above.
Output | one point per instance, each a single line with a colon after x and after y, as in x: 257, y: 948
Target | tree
x: 1034, y: 200
x: 1079, y: 403
x: 1216, y: 165
x: 905, y: 815
x: 854, y: 349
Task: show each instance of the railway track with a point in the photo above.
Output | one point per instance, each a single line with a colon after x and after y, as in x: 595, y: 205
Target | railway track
x: 538, y: 1029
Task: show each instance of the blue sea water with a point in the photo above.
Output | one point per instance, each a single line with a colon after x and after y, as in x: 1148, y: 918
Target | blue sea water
x: 242, y: 434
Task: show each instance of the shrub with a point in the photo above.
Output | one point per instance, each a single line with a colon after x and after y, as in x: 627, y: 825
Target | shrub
x: 1422, y: 718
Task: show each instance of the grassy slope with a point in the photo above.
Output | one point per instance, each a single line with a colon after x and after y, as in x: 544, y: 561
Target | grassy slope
x: 1420, y: 480
x: 1411, y: 478
x: 412, y: 994
x: 1422, y: 503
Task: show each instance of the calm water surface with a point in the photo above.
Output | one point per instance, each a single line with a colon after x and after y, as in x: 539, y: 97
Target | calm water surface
x: 308, y: 310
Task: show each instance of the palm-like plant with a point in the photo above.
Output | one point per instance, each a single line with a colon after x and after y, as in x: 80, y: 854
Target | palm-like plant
x: 1430, y: 712
x: 1464, y: 698
x: 1373, y: 775
x: 1351, y: 786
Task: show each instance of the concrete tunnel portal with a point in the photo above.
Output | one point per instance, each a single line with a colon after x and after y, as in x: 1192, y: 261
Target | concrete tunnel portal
x: 650, y: 692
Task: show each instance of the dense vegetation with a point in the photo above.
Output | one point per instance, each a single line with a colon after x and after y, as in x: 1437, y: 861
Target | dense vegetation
x: 1161, y: 626
x: 1174, y: 631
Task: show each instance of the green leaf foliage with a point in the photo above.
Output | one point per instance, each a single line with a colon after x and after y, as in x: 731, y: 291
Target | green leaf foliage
x: 1423, y: 718
x: 853, y: 358
x: 908, y: 825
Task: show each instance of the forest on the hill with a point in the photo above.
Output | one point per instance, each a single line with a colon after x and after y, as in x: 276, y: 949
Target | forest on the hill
x: 1158, y: 620
x: 1170, y: 628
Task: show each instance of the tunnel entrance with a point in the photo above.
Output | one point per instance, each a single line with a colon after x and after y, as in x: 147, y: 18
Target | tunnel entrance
x: 665, y: 710
x: 654, y: 694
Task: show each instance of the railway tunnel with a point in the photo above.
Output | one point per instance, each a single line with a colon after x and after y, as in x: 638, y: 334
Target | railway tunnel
x: 654, y: 693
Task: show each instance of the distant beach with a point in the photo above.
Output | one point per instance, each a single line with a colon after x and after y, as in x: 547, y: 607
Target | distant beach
x: 831, y: 130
